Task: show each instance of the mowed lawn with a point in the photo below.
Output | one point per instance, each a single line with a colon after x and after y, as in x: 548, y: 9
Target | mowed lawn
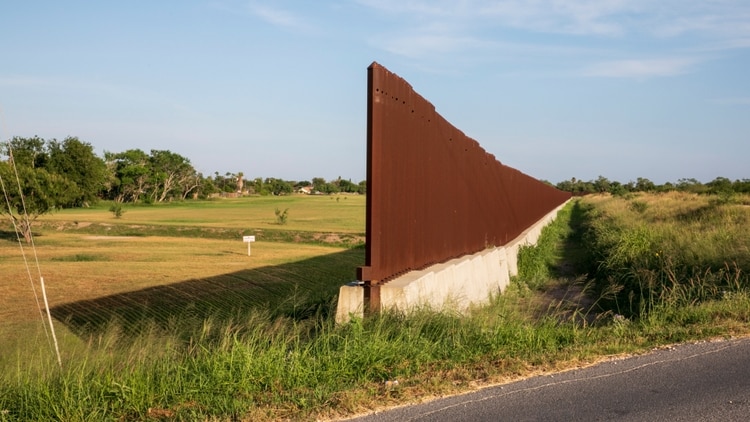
x: 335, y: 213
x: 118, y: 271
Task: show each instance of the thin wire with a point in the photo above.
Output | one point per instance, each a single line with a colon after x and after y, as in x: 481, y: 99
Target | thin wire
x: 27, y: 223
x: 49, y: 318
x: 23, y: 254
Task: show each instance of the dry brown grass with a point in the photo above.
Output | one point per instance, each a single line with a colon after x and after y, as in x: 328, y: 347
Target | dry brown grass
x: 77, y: 267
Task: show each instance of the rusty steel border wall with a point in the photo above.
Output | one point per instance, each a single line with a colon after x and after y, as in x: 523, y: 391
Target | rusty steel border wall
x: 433, y: 193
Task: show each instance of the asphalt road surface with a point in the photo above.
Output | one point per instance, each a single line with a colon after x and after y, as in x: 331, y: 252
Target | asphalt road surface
x: 707, y: 381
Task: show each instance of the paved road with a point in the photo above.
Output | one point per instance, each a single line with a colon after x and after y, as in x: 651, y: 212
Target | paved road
x: 708, y: 381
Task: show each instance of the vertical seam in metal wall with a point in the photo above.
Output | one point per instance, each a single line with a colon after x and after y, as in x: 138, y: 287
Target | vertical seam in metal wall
x: 434, y: 193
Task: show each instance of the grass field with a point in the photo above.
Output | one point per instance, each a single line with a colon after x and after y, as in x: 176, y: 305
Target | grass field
x: 330, y: 220
x: 155, y: 326
x: 667, y: 249
x: 337, y: 213
x: 85, y: 267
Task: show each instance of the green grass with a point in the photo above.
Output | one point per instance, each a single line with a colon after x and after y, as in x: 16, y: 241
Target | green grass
x: 324, y: 220
x: 306, y: 213
x: 273, y: 352
x: 674, y: 249
x: 80, y: 257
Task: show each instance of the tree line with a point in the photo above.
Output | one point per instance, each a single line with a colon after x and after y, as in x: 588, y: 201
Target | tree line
x: 41, y: 175
x: 720, y: 185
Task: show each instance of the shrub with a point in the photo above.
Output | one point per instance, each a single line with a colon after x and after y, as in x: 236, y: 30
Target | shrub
x: 638, y: 206
x: 116, y: 210
x: 281, y: 216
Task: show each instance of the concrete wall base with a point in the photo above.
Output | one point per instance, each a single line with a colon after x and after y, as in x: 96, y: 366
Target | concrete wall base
x: 455, y: 285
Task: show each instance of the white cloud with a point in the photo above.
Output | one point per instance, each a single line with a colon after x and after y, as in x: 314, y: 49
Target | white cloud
x: 551, y: 16
x: 560, y: 16
x: 724, y: 21
x: 424, y: 44
x: 279, y: 17
x: 723, y: 45
x: 602, y: 17
x: 640, y: 68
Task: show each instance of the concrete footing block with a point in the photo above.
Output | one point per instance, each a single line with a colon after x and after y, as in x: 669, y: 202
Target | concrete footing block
x: 456, y: 285
x: 351, y: 302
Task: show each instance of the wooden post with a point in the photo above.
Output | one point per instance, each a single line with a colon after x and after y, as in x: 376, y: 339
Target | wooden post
x: 249, y: 240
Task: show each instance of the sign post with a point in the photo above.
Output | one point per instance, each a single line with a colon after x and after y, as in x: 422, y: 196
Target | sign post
x: 248, y: 240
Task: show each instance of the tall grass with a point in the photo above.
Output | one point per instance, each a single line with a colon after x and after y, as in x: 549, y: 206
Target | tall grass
x: 666, y: 250
x: 267, y: 365
x: 270, y: 368
x: 537, y: 263
x: 264, y: 365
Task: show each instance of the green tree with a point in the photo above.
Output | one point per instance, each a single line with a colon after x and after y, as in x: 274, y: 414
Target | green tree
x: 227, y: 182
x: 616, y: 188
x: 26, y: 152
x: 191, y: 185
x: 602, y: 184
x: 690, y: 185
x: 302, y: 184
x: 576, y: 186
x: 171, y: 174
x: 319, y: 184
x: 331, y: 188
x: 644, y: 185
x: 34, y: 192
x: 346, y: 185
x: 720, y: 185
x: 78, y: 162
x: 666, y: 187
x: 131, y: 173
x: 206, y: 187
x: 278, y: 186
x: 741, y: 186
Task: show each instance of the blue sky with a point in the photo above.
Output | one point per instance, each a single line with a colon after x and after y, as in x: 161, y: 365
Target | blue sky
x: 555, y: 88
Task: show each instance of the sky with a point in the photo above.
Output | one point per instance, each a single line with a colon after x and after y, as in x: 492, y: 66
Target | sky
x: 554, y: 88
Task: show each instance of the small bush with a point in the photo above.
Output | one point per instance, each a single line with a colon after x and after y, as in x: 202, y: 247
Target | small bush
x: 281, y: 216
x: 724, y: 197
x: 638, y: 206
x: 116, y: 210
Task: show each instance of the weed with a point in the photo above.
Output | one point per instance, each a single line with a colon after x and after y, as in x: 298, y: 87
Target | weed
x: 638, y: 206
x: 281, y: 216
x: 725, y: 197
x: 81, y: 257
x: 116, y: 210
x: 680, y: 251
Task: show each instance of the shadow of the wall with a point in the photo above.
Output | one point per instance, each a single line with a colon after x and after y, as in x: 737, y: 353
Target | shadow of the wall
x: 9, y: 235
x: 575, y: 259
x: 296, y: 289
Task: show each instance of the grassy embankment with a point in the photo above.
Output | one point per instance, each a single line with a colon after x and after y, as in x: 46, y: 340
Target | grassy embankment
x: 332, y: 220
x: 684, y: 258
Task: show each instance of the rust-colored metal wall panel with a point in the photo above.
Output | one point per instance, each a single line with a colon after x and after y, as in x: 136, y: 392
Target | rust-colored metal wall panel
x: 433, y: 193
